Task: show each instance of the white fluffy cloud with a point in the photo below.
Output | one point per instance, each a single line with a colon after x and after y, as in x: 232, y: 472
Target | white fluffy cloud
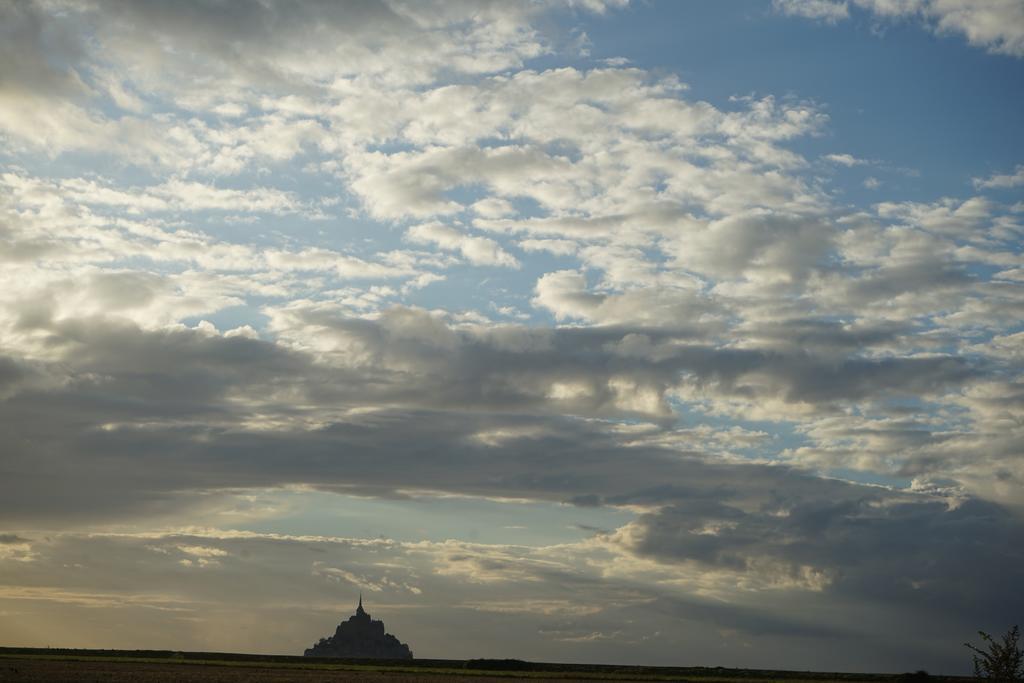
x: 477, y: 250
x: 996, y: 25
x: 1001, y: 181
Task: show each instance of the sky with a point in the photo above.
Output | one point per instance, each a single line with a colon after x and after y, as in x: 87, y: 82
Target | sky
x: 669, y: 333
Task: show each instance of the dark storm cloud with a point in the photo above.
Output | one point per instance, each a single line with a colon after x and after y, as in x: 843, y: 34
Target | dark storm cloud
x: 36, y: 54
x: 140, y: 406
x: 963, y: 559
x: 11, y: 373
x: 748, y: 620
x: 824, y: 337
x: 516, y: 366
x: 893, y: 281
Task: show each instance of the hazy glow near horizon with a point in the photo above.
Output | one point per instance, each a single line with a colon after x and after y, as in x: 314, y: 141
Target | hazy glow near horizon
x: 663, y: 333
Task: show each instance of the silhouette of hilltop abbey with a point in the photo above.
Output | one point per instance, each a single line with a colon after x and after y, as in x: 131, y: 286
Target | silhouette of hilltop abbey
x: 361, y: 637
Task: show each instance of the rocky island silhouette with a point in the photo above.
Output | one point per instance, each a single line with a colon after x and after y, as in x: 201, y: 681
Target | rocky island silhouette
x: 360, y: 637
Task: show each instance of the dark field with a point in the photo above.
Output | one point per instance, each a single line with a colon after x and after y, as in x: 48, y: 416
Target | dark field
x: 114, y: 666
x: 147, y: 672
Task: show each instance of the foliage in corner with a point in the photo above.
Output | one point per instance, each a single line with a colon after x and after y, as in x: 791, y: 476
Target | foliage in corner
x: 1003, y: 662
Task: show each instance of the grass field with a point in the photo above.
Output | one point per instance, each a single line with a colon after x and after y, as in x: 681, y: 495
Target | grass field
x: 145, y: 666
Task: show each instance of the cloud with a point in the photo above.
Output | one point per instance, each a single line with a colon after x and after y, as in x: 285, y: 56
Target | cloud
x: 944, y: 217
x: 202, y: 551
x: 480, y: 251
x: 762, y: 244
x: 825, y: 10
x: 14, y: 548
x: 847, y: 160
x: 336, y: 384
x: 179, y: 195
x: 595, y: 176
x: 61, y: 63
x: 996, y: 25
x: 1001, y: 181
x: 493, y: 207
x: 556, y: 247
x: 693, y: 231
x: 11, y: 539
x: 855, y: 536
x: 566, y: 295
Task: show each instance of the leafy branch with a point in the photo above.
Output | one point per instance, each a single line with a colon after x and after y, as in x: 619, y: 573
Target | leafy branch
x: 1003, y: 662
